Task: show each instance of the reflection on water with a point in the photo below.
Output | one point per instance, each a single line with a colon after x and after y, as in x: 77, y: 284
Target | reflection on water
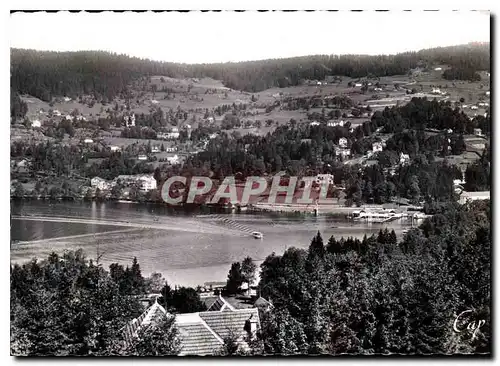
x: 188, y: 249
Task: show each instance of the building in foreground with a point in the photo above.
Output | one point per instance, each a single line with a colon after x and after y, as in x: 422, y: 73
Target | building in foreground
x: 203, y: 333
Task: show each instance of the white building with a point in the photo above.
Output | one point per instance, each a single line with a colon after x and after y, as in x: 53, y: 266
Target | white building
x: 335, y: 123
x: 483, y: 104
x: 358, y: 84
x: 436, y: 91
x: 321, y: 178
x: 68, y: 118
x: 438, y: 69
x: 487, y: 93
x: 473, y: 107
x: 142, y: 157
x: 67, y: 99
x: 404, y: 159
x: 343, y: 152
x: 100, y: 183
x: 129, y: 120
x: 36, y: 123
x: 147, y: 182
x: 377, y: 146
x: 154, y: 101
x: 314, y: 123
x: 473, y: 196
x: 115, y: 148
x: 173, y: 159
x: 55, y: 112
x: 155, y: 149
x: 343, y: 142
x: 172, y: 135
x: 88, y: 141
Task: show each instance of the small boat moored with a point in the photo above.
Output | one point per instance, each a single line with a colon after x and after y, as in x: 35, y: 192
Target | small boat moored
x: 257, y: 235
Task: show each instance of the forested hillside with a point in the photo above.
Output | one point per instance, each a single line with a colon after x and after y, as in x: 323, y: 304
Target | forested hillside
x: 381, y: 296
x: 46, y: 74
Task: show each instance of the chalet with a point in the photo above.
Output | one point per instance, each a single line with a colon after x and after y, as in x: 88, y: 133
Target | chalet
x: 88, y: 141
x: 377, y: 146
x: 314, y: 123
x: 201, y: 333
x: 436, y: 91
x: 438, y: 69
x: 66, y: 99
x: 142, y: 157
x: 129, y: 120
x: 173, y: 159
x: 343, y: 152
x: 36, y: 124
x: 335, y: 123
x: 168, y: 135
x: 482, y: 104
x: 320, y: 178
x: 210, y: 119
x: 404, y: 159
x: 473, y: 107
x: 55, y: 112
x: 487, y: 93
x: 358, y: 84
x: 155, y: 149
x: 343, y: 142
x: 216, y: 303
x: 114, y: 148
x: 68, y: 117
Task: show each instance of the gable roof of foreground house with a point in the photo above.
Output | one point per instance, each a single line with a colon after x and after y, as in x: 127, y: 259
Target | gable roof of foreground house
x: 217, y: 304
x: 202, y: 333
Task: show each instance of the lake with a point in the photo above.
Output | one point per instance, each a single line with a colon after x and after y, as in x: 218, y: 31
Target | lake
x: 187, y: 248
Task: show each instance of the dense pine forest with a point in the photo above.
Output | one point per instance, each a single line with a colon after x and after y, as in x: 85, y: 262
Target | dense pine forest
x: 381, y: 296
x: 45, y: 74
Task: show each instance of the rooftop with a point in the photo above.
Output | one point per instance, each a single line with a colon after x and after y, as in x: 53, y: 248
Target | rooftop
x: 202, y: 333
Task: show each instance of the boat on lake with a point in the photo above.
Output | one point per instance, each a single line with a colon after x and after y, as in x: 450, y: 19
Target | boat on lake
x: 257, y: 235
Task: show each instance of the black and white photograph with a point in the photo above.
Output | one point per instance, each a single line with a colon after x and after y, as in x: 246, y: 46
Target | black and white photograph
x: 250, y: 183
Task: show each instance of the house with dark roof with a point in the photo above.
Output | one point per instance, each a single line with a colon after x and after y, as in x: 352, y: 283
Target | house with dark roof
x: 203, y: 333
x: 216, y: 303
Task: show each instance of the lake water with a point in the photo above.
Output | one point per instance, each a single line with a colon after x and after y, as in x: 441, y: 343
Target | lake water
x: 188, y: 249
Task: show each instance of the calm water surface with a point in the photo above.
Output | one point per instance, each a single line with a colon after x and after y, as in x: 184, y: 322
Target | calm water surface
x: 188, y: 249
